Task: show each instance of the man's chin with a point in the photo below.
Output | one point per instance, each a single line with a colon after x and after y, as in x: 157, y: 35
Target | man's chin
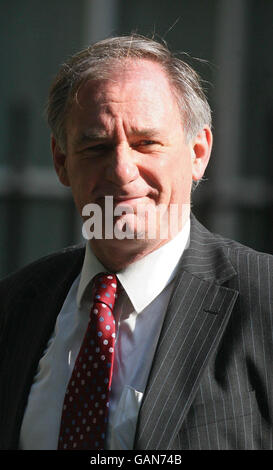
x: 149, y: 223
x: 129, y: 227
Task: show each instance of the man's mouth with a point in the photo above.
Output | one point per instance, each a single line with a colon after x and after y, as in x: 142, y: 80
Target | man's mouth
x: 118, y: 199
x: 128, y: 198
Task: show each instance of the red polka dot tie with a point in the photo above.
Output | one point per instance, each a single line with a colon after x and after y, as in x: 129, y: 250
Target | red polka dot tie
x: 86, y: 403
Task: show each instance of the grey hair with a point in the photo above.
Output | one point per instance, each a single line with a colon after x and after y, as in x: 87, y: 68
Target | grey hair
x: 96, y: 62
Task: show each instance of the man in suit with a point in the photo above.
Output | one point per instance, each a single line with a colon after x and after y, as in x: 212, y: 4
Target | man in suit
x: 193, y: 347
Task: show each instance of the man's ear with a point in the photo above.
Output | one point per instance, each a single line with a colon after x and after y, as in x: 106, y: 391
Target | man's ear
x: 201, y: 150
x: 59, y: 159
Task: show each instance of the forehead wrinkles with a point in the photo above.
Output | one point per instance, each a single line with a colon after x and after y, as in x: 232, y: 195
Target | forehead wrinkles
x: 142, y: 96
x: 130, y: 96
x: 139, y: 75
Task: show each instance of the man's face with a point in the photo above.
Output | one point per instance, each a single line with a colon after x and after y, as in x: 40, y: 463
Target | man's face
x: 125, y: 139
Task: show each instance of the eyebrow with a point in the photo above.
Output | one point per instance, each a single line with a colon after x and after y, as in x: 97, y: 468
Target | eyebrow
x: 90, y: 136
x: 146, y: 132
x: 99, y: 135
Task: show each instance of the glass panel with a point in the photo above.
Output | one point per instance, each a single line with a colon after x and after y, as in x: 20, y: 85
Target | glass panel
x: 34, y: 228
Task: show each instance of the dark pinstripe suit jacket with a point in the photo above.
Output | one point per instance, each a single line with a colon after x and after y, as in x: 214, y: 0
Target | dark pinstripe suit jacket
x: 211, y: 382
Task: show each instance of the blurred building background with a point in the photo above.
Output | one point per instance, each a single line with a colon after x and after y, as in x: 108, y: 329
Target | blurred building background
x: 234, y: 36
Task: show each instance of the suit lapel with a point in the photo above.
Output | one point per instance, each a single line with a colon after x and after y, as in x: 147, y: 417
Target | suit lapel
x: 195, y: 321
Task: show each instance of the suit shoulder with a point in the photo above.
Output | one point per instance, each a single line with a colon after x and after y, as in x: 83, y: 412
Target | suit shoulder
x: 254, y: 269
x: 48, y: 265
x: 207, y: 243
x: 237, y: 250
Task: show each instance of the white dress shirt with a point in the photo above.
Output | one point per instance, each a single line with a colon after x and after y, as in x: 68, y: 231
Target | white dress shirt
x: 139, y: 311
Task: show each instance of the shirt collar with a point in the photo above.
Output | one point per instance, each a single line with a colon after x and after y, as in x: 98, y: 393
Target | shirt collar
x: 146, y: 278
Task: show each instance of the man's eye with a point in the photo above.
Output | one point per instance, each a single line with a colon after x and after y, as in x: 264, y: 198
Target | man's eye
x: 144, y: 143
x: 149, y: 142
x: 97, y: 148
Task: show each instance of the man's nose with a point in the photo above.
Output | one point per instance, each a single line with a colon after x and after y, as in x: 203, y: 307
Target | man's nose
x: 121, y: 168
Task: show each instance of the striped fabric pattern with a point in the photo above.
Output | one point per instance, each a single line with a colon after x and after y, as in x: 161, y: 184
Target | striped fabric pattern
x: 211, y: 385
x: 211, y: 381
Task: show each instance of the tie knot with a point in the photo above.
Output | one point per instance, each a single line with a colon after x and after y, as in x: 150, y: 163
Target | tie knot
x: 105, y: 288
